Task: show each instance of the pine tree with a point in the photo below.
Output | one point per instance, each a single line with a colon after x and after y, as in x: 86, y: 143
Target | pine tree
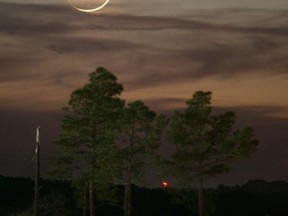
x: 140, y: 137
x: 206, y: 143
x: 88, y: 153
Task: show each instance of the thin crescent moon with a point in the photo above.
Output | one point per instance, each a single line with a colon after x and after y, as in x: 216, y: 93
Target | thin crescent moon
x: 89, y: 10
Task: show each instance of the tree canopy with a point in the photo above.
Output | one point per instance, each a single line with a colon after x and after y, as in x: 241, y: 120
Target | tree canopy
x: 205, y: 143
x: 104, y: 141
x: 88, y: 152
x: 139, y: 138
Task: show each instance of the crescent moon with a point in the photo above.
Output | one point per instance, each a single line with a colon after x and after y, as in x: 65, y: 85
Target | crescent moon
x: 89, y: 10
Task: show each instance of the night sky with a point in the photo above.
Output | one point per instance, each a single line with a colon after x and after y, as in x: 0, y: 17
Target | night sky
x: 162, y: 51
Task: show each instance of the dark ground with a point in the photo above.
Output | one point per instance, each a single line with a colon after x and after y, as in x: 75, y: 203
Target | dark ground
x: 255, y: 198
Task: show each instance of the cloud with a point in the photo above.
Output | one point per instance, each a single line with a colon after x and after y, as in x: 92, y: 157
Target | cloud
x: 59, y: 19
x: 56, y: 50
x: 87, y: 44
x: 25, y: 19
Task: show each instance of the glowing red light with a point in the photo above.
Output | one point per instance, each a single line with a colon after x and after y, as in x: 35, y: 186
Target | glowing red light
x: 165, y: 184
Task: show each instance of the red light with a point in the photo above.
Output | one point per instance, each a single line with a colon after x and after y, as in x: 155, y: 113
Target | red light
x: 165, y: 184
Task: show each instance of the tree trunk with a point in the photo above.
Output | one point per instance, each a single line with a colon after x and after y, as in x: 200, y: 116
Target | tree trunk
x: 201, y: 197
x: 128, y: 200
x: 91, y: 196
x: 85, y: 199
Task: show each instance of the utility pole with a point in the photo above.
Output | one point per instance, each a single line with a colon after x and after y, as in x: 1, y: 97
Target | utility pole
x: 37, y: 172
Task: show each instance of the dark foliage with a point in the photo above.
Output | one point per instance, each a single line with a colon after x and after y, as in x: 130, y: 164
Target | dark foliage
x: 16, y: 194
x: 255, y: 198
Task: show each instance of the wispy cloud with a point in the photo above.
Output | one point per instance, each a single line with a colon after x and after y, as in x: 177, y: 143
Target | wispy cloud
x: 42, y: 43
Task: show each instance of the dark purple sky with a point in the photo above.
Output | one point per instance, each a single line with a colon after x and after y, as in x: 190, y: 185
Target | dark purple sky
x: 162, y: 53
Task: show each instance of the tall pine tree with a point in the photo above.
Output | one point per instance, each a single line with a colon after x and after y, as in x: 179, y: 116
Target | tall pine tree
x: 206, y: 143
x: 86, y: 142
x: 140, y: 137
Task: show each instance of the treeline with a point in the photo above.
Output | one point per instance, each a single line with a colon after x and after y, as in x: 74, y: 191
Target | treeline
x: 255, y: 198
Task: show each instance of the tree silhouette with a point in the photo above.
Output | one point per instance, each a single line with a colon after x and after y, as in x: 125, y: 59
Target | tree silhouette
x: 86, y: 142
x: 140, y: 137
x: 205, y: 143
